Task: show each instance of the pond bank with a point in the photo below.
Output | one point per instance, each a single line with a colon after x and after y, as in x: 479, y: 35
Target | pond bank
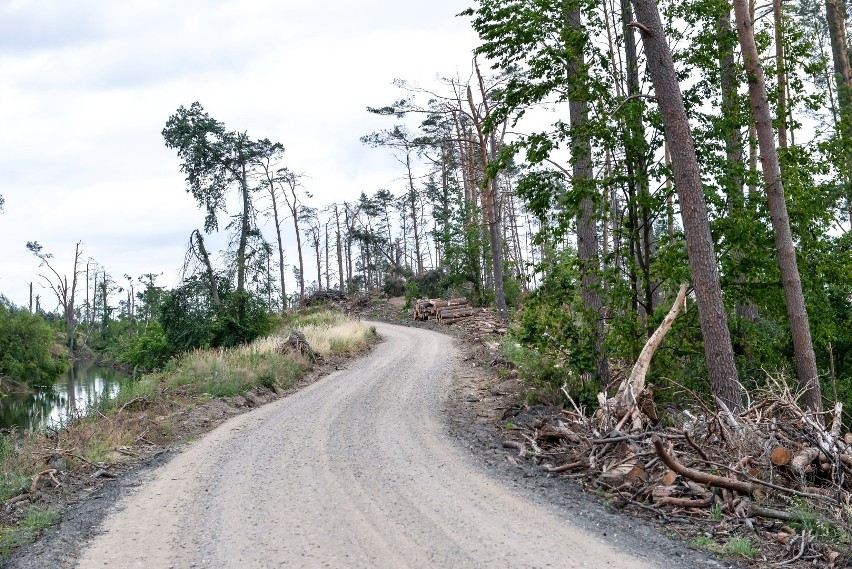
x: 74, y: 395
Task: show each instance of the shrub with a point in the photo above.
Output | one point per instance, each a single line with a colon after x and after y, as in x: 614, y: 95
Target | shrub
x: 147, y: 351
x: 26, y: 341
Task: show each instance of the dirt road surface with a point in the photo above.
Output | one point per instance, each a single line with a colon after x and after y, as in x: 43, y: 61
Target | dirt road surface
x: 354, y: 471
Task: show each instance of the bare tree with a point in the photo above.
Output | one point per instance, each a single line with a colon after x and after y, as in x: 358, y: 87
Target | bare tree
x: 63, y: 291
x: 292, y: 183
x: 487, y: 146
x: 268, y: 159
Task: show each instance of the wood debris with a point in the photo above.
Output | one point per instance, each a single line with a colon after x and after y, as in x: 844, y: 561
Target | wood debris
x: 770, y: 469
x: 458, y: 310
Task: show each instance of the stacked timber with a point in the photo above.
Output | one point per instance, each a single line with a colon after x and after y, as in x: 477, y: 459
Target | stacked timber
x: 450, y: 314
x: 433, y: 308
x: 485, y: 321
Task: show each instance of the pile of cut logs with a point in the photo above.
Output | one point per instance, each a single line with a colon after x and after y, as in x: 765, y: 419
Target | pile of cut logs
x: 444, y: 311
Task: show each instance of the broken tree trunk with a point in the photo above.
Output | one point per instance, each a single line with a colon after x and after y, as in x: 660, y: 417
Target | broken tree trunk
x: 625, y: 404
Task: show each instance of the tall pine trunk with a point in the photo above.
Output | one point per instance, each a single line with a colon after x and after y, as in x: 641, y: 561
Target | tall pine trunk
x: 244, y: 222
x: 583, y: 179
x: 339, y: 249
x: 718, y: 350
x: 843, y: 77
x: 637, y: 172
x: 796, y: 311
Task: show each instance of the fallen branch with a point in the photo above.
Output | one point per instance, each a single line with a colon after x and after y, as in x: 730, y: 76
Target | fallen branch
x: 698, y: 476
x: 16, y: 499
x: 37, y: 478
x: 685, y: 502
x: 697, y: 448
x: 515, y: 445
x: 625, y: 404
x: 131, y: 402
x: 569, y: 466
x: 639, y: 437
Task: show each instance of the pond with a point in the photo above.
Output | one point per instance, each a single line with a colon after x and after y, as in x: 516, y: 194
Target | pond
x: 75, y: 394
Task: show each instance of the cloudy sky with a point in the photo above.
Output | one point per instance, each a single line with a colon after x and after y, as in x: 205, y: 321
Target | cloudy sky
x: 87, y: 85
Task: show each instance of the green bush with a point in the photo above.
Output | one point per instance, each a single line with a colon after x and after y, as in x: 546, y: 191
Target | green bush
x: 148, y: 350
x: 190, y: 319
x: 26, y: 344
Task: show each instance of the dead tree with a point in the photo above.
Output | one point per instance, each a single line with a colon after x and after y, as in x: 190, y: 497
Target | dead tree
x: 60, y: 286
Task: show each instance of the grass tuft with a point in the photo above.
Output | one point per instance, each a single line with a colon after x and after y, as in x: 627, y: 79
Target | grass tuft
x: 739, y: 545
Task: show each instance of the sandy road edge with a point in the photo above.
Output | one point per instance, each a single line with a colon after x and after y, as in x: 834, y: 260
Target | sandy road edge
x: 479, y: 438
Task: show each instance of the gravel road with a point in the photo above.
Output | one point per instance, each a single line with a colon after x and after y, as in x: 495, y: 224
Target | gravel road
x: 356, y: 470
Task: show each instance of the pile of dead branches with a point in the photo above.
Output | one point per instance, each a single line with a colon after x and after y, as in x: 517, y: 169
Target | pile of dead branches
x: 324, y: 297
x: 773, y: 471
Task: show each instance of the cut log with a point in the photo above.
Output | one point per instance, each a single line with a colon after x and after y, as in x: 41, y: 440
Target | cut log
x: 781, y: 456
x: 444, y: 314
x: 430, y: 308
x: 803, y: 459
x: 452, y: 320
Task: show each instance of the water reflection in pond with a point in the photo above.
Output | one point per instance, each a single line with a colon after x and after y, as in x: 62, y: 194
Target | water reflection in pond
x: 74, y: 395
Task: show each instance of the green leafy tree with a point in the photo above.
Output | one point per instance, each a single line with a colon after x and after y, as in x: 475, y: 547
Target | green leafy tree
x: 26, y: 347
x: 214, y: 160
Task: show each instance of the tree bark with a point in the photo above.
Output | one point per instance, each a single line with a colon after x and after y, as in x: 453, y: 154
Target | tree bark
x: 583, y: 180
x: 488, y: 153
x: 781, y: 67
x: 843, y: 77
x: 70, y: 319
x: 635, y: 154
x: 208, y: 268
x: 245, y: 218
x: 412, y: 202
x: 294, y: 211
x: 796, y: 311
x: 277, y: 219
x: 339, y: 251
x: 840, y: 53
x: 718, y: 350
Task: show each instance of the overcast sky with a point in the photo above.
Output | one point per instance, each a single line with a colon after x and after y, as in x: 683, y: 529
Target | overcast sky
x: 86, y: 86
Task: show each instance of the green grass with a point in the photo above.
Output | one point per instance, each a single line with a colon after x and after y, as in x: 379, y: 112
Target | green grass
x: 810, y: 521
x: 12, y: 484
x: 703, y: 542
x: 35, y: 521
x: 227, y: 373
x: 97, y: 450
x: 716, y: 512
x: 739, y: 545
x: 38, y: 519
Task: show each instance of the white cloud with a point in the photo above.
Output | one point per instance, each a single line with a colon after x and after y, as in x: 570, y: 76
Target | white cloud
x: 87, y: 88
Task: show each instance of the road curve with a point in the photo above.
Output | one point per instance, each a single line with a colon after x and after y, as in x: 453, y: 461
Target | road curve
x: 353, y: 471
